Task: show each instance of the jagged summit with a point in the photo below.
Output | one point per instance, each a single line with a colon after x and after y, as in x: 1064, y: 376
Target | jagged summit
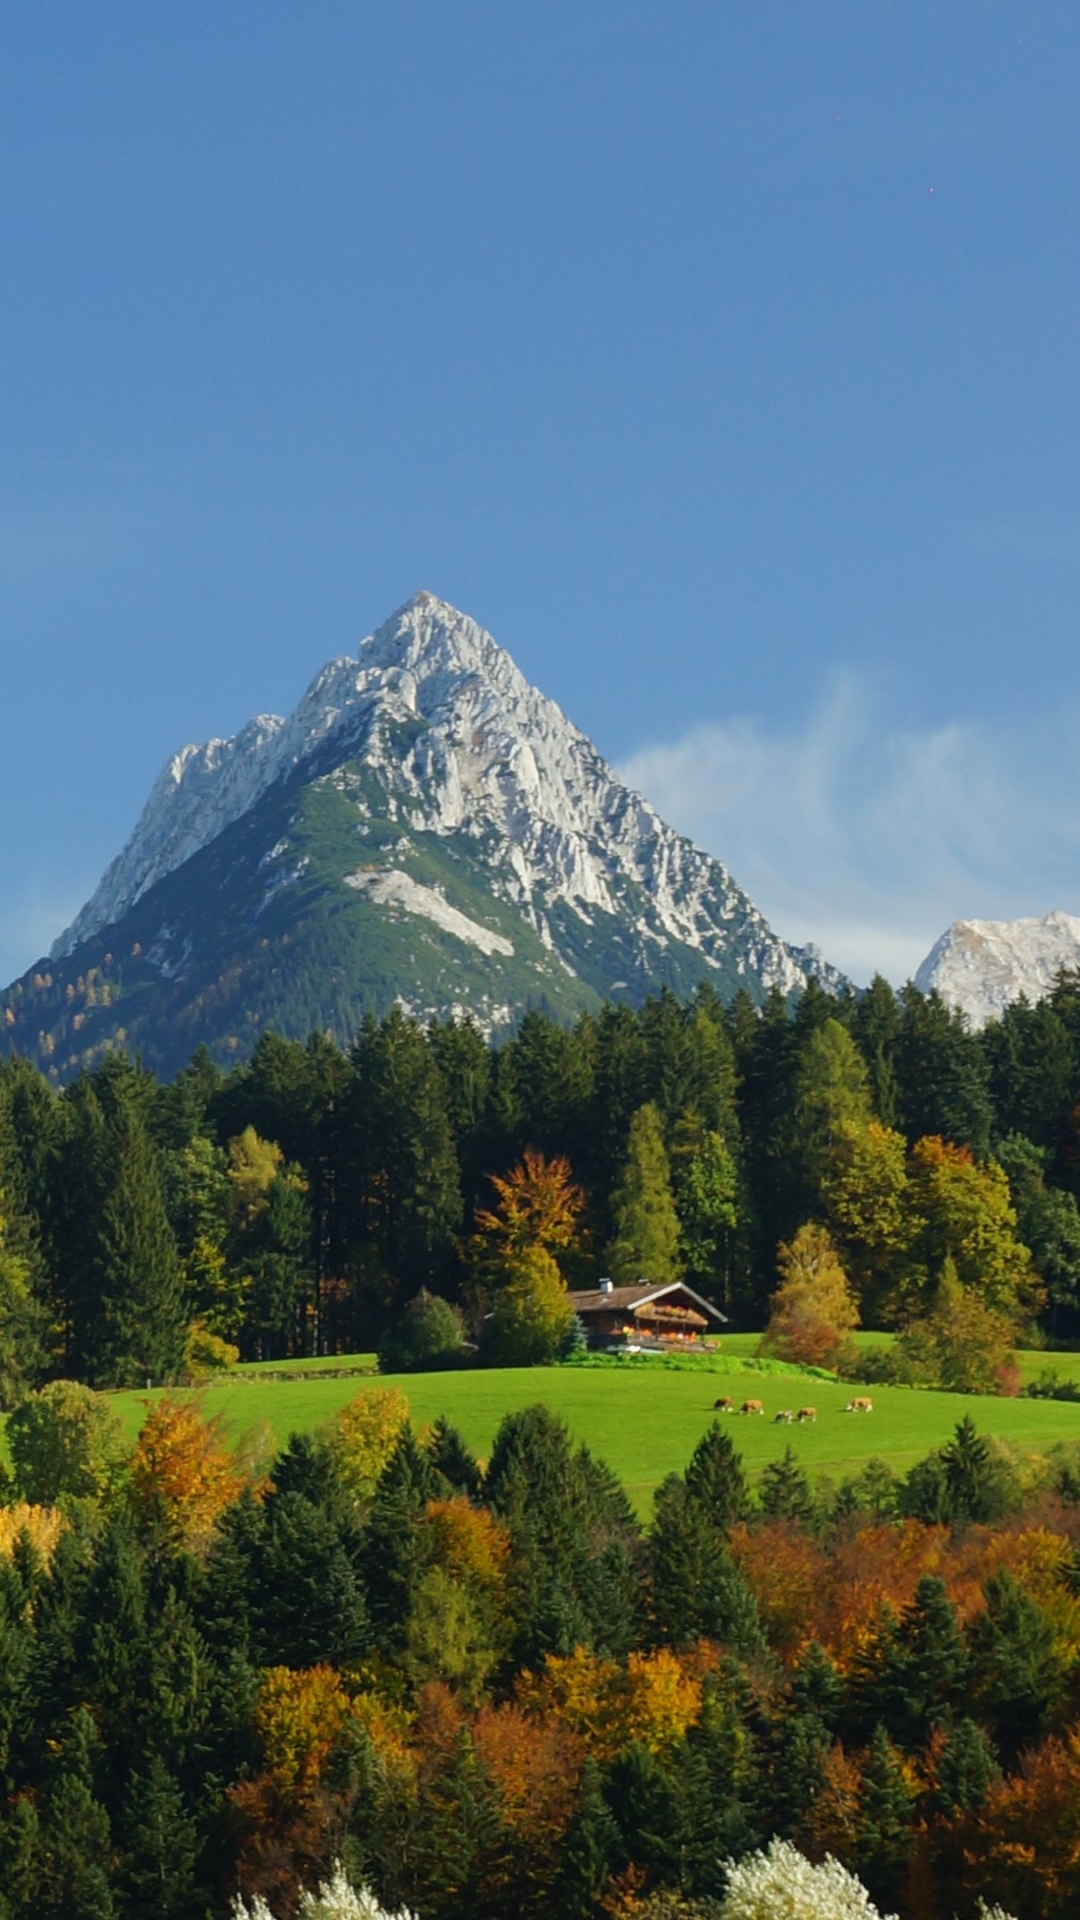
x: 982, y: 966
x: 434, y: 830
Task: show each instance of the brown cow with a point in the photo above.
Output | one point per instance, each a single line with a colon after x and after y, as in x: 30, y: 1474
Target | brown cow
x: 723, y: 1405
x: 861, y: 1404
x: 806, y: 1413
x: 751, y: 1406
x: 786, y: 1416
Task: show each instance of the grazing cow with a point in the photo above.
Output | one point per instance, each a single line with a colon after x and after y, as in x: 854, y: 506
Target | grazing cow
x: 723, y: 1405
x: 751, y: 1406
x: 861, y: 1404
x: 806, y: 1413
x: 785, y: 1416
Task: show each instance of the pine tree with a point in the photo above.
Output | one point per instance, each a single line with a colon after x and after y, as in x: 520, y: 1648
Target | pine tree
x: 406, y: 1176
x: 694, y: 1587
x: 591, y: 1849
x: 883, y: 1821
x: 160, y: 1845
x: 140, y: 1331
x: 76, y: 1840
x: 1018, y: 1677
x: 715, y: 1477
x: 646, y: 1242
x: 784, y: 1490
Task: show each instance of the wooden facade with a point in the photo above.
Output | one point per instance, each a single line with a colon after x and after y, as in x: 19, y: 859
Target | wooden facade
x: 644, y: 1317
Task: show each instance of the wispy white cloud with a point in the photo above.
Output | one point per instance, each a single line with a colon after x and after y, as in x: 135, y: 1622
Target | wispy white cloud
x: 870, y: 838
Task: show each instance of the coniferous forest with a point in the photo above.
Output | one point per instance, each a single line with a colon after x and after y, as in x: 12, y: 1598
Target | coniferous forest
x: 486, y: 1687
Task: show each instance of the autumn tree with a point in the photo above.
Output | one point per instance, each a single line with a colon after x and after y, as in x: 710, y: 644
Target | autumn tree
x: 813, y: 1312
x: 530, y: 1322
x: 537, y: 1204
x: 868, y: 1205
x: 182, y: 1476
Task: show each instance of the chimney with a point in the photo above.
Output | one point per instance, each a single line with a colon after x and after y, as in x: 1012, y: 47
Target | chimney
x: 606, y: 1286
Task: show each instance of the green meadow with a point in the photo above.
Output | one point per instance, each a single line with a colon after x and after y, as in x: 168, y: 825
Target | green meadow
x: 643, y: 1418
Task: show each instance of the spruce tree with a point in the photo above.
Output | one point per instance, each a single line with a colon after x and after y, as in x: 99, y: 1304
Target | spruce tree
x: 393, y: 1556
x: 141, y: 1326
x: 716, y: 1479
x: 160, y: 1846
x: 966, y: 1769
x: 694, y: 1588
x: 1018, y: 1673
x: 591, y: 1849
x: 76, y: 1839
x: 451, y: 1458
x: 883, y: 1821
x: 784, y: 1490
x: 646, y: 1242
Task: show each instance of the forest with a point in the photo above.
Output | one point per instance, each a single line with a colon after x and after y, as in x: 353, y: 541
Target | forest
x: 483, y: 1687
x: 435, y: 1196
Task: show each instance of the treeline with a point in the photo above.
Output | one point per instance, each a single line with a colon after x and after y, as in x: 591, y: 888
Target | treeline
x: 300, y: 1203
x: 487, y: 1690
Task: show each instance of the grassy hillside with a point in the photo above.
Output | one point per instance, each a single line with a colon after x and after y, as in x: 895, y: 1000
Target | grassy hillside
x: 645, y: 1421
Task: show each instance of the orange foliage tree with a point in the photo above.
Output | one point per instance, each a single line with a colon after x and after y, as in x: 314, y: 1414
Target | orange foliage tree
x: 182, y: 1474
x: 538, y: 1204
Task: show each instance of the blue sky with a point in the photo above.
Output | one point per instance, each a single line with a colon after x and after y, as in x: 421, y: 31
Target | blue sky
x: 721, y: 360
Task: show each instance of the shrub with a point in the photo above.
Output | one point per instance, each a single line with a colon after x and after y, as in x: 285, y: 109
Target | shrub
x: 335, y: 1900
x: 64, y: 1440
x: 781, y: 1881
x: 429, y: 1334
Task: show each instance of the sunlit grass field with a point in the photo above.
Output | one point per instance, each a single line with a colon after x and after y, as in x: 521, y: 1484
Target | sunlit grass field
x: 644, y: 1419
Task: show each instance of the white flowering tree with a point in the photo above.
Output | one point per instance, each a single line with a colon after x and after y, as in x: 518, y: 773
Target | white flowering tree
x: 335, y: 1900
x: 781, y: 1884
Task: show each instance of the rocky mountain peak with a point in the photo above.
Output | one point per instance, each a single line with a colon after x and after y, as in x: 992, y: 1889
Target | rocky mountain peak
x: 981, y: 966
x: 421, y: 784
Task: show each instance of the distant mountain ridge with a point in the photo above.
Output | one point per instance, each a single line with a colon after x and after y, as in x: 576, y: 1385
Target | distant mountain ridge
x: 425, y: 827
x: 981, y: 966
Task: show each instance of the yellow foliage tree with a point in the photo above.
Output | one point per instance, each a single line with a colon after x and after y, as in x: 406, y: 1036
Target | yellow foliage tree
x: 182, y: 1474
x: 299, y: 1716
x: 41, y: 1526
x: 254, y: 1164
x: 532, y: 1316
x: 868, y: 1204
x: 366, y: 1433
x: 813, y: 1310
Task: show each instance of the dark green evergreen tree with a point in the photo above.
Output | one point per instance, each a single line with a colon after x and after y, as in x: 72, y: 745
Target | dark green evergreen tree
x: 591, y: 1850
x: 784, y: 1490
x: 883, y: 1822
x: 716, y: 1479
x: 140, y: 1329
x: 1018, y: 1679
x: 694, y: 1586
x: 160, y: 1846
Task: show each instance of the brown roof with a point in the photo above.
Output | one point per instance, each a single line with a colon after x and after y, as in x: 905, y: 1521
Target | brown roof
x: 627, y: 1299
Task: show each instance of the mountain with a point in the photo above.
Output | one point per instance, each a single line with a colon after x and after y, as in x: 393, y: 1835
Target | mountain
x: 426, y: 828
x: 981, y: 966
